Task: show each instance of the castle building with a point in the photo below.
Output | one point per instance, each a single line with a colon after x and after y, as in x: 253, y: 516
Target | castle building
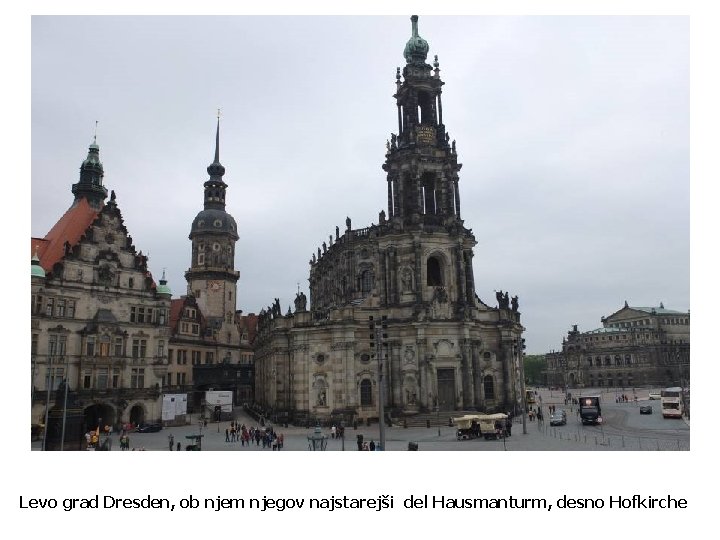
x: 100, y: 323
x: 636, y: 346
x: 445, y: 350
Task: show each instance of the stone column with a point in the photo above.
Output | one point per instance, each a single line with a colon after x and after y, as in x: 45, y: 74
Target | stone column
x: 467, y: 373
x: 418, y: 273
x: 382, y: 277
x: 457, y: 198
x: 460, y: 275
x: 469, y: 277
x: 396, y: 197
x: 508, y: 373
x: 391, y: 206
x: 392, y: 276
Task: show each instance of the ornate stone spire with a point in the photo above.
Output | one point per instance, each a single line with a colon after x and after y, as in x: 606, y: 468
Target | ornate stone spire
x: 90, y: 186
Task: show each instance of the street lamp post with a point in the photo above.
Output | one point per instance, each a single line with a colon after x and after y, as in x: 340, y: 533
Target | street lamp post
x: 379, y: 336
x: 437, y: 413
x: 522, y: 384
x: 47, y: 404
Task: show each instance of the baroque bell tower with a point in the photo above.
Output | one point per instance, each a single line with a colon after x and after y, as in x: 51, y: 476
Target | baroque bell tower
x: 212, y: 278
x: 421, y: 163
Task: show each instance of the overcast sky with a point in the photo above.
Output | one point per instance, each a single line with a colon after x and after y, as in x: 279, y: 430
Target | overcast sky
x: 573, y: 133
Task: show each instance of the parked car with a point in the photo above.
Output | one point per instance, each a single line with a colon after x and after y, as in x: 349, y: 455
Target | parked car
x: 558, y: 418
x: 646, y: 409
x: 148, y: 428
x: 654, y: 395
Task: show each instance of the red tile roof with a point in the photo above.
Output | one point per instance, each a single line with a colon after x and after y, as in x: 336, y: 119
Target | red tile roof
x: 249, y: 324
x: 176, y: 307
x: 70, y: 228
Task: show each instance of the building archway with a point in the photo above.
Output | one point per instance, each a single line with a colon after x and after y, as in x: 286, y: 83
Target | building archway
x: 137, y: 414
x: 99, y: 414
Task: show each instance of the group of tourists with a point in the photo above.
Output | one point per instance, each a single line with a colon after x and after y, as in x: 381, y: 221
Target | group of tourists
x: 535, y: 414
x: 246, y: 435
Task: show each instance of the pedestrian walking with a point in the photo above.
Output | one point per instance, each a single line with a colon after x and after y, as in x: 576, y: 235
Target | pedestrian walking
x: 227, y: 435
x: 372, y: 446
x: 171, y: 441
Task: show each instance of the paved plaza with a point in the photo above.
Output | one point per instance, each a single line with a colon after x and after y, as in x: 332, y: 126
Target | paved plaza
x: 623, y: 429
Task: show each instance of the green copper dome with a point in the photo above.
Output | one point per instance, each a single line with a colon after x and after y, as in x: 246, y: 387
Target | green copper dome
x: 35, y: 269
x: 162, y: 288
x: 416, y: 48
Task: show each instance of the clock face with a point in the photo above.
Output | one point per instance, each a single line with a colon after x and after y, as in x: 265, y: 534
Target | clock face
x: 214, y: 285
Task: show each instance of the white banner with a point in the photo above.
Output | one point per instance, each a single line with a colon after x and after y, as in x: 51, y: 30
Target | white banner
x: 174, y: 405
x: 224, y: 398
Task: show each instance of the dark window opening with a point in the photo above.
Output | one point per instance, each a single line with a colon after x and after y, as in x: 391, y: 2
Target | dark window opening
x: 366, y: 392
x: 429, y: 195
x: 426, y: 114
x: 489, y: 386
x: 366, y: 281
x: 434, y: 273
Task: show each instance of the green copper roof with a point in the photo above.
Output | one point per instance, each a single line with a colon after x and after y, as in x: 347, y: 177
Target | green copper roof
x: 416, y: 48
x: 658, y: 310
x: 35, y: 269
x: 162, y: 288
x: 606, y: 330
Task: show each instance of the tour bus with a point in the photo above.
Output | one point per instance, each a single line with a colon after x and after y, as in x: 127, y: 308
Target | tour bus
x: 590, y: 409
x: 530, y: 397
x: 671, y: 402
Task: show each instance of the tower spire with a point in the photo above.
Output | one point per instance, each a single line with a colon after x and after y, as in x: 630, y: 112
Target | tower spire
x: 217, y: 139
x: 90, y: 186
x: 215, y: 187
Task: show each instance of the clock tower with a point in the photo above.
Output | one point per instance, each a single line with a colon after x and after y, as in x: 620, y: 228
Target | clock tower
x: 212, y: 278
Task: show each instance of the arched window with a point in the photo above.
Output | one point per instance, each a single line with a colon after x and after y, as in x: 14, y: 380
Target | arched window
x: 598, y: 362
x: 434, y: 272
x: 366, y: 392
x: 489, y: 386
x: 366, y: 281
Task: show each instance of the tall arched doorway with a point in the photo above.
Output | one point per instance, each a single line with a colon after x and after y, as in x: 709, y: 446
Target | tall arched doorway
x: 137, y: 415
x: 99, y: 414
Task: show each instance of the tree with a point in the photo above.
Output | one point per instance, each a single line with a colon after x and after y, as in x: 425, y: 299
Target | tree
x: 534, y: 367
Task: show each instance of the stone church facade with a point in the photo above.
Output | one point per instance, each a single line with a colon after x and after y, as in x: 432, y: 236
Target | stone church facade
x: 445, y: 349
